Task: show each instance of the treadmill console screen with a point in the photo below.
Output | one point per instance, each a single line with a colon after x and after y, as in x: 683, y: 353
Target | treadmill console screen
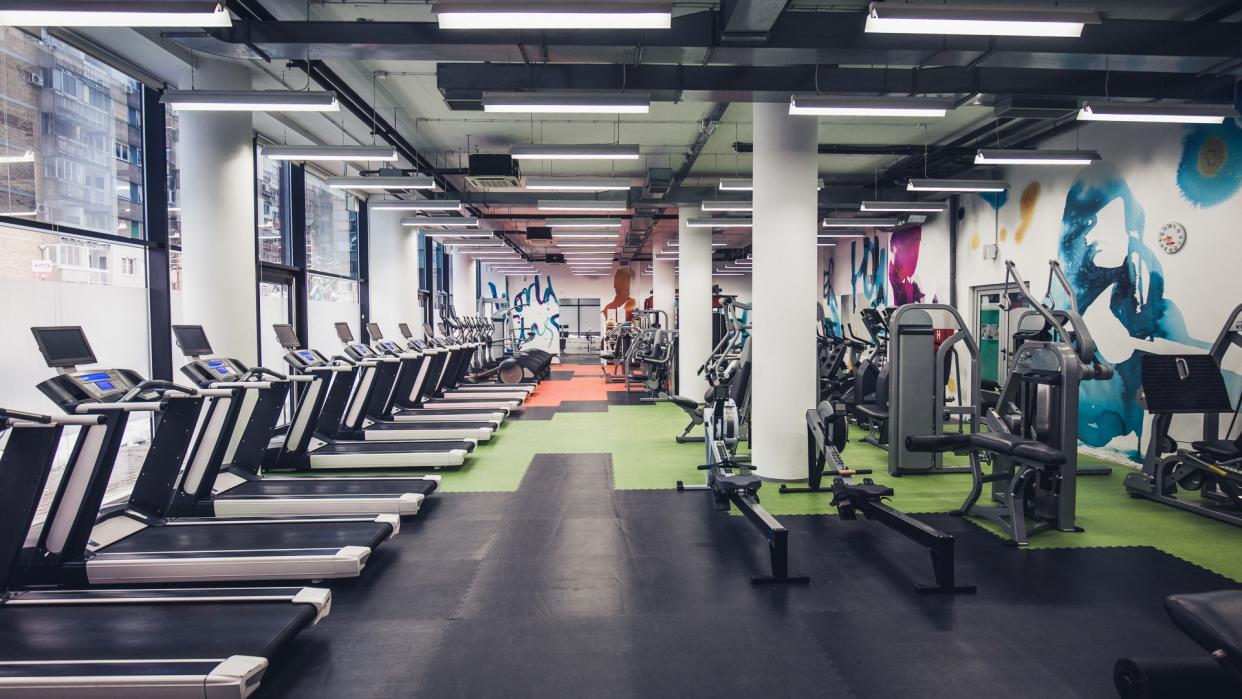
x: 390, y: 346
x: 63, y: 346
x: 221, y: 367
x: 100, y: 384
x: 192, y: 340
x: 306, y: 358
x: 362, y: 350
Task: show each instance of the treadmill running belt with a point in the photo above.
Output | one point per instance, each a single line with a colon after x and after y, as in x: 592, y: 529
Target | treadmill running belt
x: 259, y: 537
x: 167, y: 631
x: 392, y: 447
x: 429, y: 425
x: 310, y: 486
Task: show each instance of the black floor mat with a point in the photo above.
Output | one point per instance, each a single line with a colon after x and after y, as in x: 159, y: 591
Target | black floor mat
x: 569, y: 588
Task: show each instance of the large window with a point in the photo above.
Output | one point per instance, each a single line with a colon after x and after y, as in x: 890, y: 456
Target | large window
x: 273, y: 238
x: 71, y: 138
x: 331, y: 229
x: 331, y: 300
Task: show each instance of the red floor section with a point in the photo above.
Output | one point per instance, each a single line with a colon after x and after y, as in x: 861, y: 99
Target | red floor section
x: 587, y: 384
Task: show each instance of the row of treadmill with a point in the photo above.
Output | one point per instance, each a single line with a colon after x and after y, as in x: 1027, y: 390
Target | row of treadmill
x: 154, y: 595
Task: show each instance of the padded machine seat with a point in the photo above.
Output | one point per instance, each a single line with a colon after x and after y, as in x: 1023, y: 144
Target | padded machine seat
x: 686, y: 404
x: 1020, y: 448
x: 1223, y: 449
x: 1212, y: 619
x: 867, y: 491
x: 875, y: 412
x: 732, y: 484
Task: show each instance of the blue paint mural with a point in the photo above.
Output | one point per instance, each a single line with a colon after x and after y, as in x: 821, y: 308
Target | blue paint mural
x: 832, y: 314
x: 537, y: 312
x: 995, y: 199
x: 868, y: 274
x: 1210, y: 170
x: 1133, y: 290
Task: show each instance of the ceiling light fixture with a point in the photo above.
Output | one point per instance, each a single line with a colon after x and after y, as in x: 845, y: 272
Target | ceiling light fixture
x: 445, y: 222
x: 1157, y: 113
x: 583, y: 205
x: 586, y: 245
x: 1035, y: 157
x: 860, y: 222
x: 550, y: 15
x: 578, y: 184
x: 821, y: 105
x: 914, y: 207
x: 891, y: 18
x: 250, y: 101
x: 361, y: 182
x: 720, y: 222
x: 582, y: 223
x: 587, y: 236
x: 610, y: 151
x: 826, y: 236
x: 739, y: 184
x: 121, y: 13
x: 709, y: 205
x: 330, y: 153
x: 544, y: 103
x: 417, y: 205
x: 956, y: 186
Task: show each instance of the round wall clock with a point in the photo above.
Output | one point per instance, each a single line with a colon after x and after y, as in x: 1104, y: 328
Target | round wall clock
x: 1172, y: 237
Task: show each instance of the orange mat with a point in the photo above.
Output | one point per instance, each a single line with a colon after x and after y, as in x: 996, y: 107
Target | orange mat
x: 553, y: 392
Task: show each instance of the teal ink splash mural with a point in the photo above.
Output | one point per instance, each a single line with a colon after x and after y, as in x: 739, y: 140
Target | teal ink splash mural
x: 1210, y: 171
x: 832, y: 314
x: 867, y: 274
x: 537, y: 311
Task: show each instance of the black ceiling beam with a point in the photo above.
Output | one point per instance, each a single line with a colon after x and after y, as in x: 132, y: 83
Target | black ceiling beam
x: 848, y: 149
x: 749, y: 21
x: 795, y: 38
x: 461, y: 83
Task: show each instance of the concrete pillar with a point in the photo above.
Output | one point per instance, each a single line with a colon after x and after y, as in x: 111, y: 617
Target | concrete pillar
x: 664, y: 285
x: 462, y: 279
x: 393, y: 272
x: 694, y: 285
x: 785, y: 289
x: 216, y: 157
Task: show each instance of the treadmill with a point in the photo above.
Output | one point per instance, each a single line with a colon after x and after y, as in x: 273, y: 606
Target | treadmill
x: 237, y: 486
x: 367, y: 414
x: 440, y: 361
x: 182, y: 643
x: 406, y: 400
x: 461, y: 355
x: 314, y: 439
x: 138, y: 541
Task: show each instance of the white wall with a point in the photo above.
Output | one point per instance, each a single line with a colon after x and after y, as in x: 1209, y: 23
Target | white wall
x: 393, y: 273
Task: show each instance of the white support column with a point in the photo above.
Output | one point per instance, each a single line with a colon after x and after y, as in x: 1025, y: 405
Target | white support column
x: 393, y: 272
x: 664, y: 285
x: 694, y: 284
x: 215, y: 154
x: 783, y: 385
x: 465, y: 297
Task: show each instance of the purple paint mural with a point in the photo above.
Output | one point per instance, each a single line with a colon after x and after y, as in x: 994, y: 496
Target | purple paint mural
x: 903, y: 262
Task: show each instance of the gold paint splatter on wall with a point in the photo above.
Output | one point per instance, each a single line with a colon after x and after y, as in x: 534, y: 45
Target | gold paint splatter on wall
x: 1212, y: 156
x: 1004, y: 234
x: 974, y: 241
x: 1030, y: 197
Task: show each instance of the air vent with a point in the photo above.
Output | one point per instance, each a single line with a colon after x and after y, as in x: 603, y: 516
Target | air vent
x: 539, y: 233
x: 1034, y: 107
x: 659, y: 182
x: 554, y: 258
x: 493, y: 171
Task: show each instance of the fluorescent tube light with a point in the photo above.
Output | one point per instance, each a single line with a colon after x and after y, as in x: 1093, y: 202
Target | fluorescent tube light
x: 1035, y: 157
x: 720, y: 222
x: 361, y: 182
x: 825, y: 245
x: 675, y: 245
x: 891, y: 18
x: 443, y: 222
x: 820, y: 105
x: 417, y: 205
x: 330, y: 153
x: 725, y: 205
x: 728, y: 274
x: 860, y: 222
x: 587, y: 236
x: 1157, y: 113
x: 579, y: 152
x: 457, y: 234
x: 250, y: 101
x: 92, y: 13
x: 27, y: 157
x: 916, y: 207
x: 550, y: 15
x: 543, y: 103
x: 826, y: 236
x: 455, y: 244
x: 586, y: 245
x: 582, y: 223
x: 583, y: 205
x: 956, y: 186
x: 578, y: 184
x: 739, y: 184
